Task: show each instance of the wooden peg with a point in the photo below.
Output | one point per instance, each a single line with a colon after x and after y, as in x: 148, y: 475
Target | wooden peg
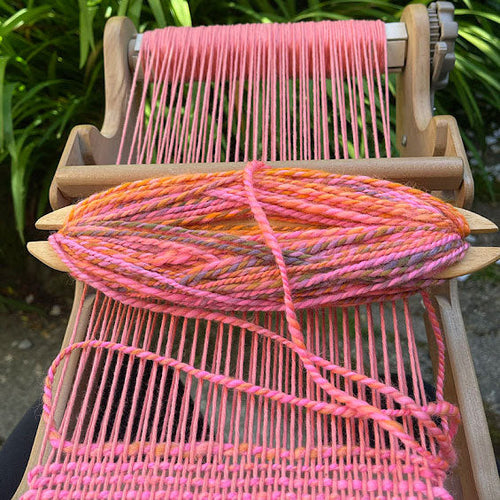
x: 477, y: 223
x: 46, y: 254
x: 476, y: 258
x: 53, y: 221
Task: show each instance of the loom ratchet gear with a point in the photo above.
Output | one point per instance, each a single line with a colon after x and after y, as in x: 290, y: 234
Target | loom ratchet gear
x: 256, y: 272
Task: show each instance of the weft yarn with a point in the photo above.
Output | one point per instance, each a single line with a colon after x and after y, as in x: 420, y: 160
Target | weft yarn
x: 202, y: 241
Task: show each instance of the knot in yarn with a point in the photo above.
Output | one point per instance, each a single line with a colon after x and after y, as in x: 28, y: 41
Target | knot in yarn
x: 205, y: 240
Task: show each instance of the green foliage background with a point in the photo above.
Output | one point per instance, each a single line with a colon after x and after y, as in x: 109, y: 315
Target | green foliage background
x: 51, y: 78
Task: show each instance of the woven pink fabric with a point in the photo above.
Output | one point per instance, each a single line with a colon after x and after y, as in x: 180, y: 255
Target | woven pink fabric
x: 287, y: 402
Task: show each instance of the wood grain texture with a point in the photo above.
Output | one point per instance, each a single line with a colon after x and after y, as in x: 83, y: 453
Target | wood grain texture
x: 428, y: 173
x: 418, y: 133
x: 476, y: 461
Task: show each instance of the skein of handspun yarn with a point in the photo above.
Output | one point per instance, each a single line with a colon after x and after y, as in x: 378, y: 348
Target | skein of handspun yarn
x: 203, y: 240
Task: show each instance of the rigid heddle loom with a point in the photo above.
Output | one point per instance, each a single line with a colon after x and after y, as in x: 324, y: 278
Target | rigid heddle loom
x: 256, y: 256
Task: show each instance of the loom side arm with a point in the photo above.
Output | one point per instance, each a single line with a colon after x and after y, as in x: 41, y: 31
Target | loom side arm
x: 87, y: 145
x: 418, y: 133
x: 476, y: 461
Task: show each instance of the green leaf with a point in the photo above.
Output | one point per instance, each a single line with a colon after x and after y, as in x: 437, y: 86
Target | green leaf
x: 157, y: 10
x: 486, y: 15
x: 7, y: 7
x: 180, y: 12
x: 22, y: 18
x: 481, y: 40
x: 87, y: 13
x: 17, y: 156
x: 134, y: 11
x: 67, y: 116
x: 5, y: 115
x: 31, y: 93
x: 18, y: 183
x: 479, y: 73
x: 122, y: 7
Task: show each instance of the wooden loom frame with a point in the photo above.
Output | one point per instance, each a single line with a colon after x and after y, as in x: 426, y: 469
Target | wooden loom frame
x: 432, y: 157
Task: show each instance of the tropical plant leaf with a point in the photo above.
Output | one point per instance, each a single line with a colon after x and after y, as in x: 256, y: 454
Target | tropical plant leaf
x: 478, y: 13
x: 86, y: 30
x: 134, y: 11
x: 23, y: 17
x: 180, y: 12
x: 481, y: 40
x: 20, y: 160
x: 157, y: 9
x: 5, y: 116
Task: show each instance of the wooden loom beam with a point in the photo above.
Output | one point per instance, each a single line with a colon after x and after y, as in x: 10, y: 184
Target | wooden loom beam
x: 429, y: 173
x: 418, y: 133
x: 396, y: 34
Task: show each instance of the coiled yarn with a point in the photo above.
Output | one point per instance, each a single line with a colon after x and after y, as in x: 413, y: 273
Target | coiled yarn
x: 206, y: 241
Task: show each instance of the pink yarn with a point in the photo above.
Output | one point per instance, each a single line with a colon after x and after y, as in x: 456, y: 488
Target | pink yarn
x: 346, y: 239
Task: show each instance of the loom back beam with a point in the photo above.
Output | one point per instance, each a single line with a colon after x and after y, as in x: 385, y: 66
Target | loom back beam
x: 396, y: 33
x: 417, y: 48
x: 397, y: 40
